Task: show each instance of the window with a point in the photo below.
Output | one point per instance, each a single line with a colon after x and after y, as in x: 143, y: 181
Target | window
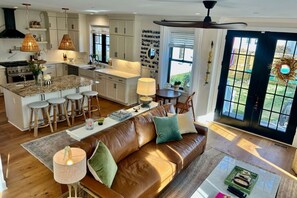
x: 180, y: 58
x: 101, y: 47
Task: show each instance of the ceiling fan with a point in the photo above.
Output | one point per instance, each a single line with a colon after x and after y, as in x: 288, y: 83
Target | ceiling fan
x: 206, y: 23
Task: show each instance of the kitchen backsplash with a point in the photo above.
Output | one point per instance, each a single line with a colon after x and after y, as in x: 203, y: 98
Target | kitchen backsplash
x: 126, y: 66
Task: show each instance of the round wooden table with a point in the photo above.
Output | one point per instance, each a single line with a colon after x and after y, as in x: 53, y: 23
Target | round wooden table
x: 168, y: 94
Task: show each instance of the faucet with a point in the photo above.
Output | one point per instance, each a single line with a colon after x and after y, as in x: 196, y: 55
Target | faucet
x: 93, y: 58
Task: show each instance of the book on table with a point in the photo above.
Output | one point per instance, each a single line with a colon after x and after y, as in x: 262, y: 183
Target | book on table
x: 242, y: 179
x: 120, y: 115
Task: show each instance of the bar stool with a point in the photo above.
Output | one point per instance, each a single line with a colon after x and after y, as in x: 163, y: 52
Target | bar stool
x: 76, y: 105
x: 43, y: 106
x: 58, y: 105
x: 91, y: 107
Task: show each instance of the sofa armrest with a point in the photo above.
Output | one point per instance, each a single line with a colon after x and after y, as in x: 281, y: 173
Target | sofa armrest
x: 98, y: 188
x: 201, y: 129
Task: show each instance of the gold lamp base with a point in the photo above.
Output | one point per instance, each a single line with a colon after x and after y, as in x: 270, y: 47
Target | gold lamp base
x: 145, y: 100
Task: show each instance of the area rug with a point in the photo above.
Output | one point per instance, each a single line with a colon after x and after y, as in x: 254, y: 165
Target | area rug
x: 45, y: 148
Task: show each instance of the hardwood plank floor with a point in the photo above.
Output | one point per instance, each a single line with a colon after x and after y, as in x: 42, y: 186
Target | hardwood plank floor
x: 27, y: 177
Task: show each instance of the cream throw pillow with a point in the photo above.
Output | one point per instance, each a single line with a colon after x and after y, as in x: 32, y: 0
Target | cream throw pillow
x: 185, y: 122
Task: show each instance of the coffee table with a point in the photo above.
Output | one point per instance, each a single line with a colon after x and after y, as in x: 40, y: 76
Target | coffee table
x: 266, y: 185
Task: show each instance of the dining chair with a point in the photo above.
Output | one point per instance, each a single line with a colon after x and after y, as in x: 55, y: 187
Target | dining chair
x: 183, y: 107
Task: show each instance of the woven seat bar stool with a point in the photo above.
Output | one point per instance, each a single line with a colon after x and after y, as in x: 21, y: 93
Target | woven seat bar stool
x: 89, y: 95
x: 76, y: 105
x: 60, y: 113
x: 35, y: 107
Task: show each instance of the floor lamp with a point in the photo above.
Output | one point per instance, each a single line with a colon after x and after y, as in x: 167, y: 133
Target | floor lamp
x: 70, y: 167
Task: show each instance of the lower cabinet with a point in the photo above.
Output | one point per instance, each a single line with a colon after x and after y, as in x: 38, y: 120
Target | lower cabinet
x: 121, y: 90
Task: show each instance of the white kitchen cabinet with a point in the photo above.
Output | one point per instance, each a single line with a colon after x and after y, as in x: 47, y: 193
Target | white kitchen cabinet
x: 2, y: 78
x: 101, y: 85
x: 59, y: 69
x: 53, y: 39
x: 121, y: 39
x: 61, y: 23
x: 118, y: 89
x: 74, y: 35
x: 52, y: 22
x: 51, y: 70
x: 72, y: 24
x: 117, y: 46
x: 121, y: 27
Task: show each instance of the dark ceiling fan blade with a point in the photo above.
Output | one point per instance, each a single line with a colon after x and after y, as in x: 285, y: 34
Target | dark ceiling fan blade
x: 206, y: 23
x: 185, y: 24
x: 233, y: 25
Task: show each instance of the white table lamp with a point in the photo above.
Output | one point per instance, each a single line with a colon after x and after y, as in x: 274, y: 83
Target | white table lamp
x: 70, y: 167
x: 146, y: 87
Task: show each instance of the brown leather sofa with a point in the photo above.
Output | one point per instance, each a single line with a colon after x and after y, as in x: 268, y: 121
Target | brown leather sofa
x: 144, y: 167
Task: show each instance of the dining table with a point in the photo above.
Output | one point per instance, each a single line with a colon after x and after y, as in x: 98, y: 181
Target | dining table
x: 167, y: 94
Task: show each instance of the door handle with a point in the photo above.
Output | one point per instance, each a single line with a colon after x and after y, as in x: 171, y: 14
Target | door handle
x: 256, y: 103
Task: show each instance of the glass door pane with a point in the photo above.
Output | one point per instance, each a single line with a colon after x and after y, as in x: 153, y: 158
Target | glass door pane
x: 279, y: 96
x: 239, y: 76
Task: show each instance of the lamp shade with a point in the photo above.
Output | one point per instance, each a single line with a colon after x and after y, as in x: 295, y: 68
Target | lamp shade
x: 29, y: 44
x: 146, y: 86
x: 69, y: 174
x: 66, y: 43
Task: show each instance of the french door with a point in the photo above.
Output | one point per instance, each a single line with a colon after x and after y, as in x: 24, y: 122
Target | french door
x: 250, y: 97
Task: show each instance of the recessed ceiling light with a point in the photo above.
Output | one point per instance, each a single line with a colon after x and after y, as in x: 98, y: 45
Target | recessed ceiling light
x: 15, y: 7
x: 197, y: 13
x: 96, y: 11
x: 134, y: 12
x: 92, y: 13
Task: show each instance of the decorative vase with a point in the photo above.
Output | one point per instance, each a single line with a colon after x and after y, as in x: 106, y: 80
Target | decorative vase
x: 36, y: 76
x: 176, y: 87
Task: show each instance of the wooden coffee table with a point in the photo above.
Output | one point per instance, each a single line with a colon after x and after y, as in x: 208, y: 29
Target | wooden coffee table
x: 266, y: 185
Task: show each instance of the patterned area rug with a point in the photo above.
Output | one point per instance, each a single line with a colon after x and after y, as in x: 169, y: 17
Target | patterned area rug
x: 45, y: 148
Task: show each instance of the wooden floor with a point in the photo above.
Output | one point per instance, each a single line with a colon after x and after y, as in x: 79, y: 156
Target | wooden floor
x: 27, y: 177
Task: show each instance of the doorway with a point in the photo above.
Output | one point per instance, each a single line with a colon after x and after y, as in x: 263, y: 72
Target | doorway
x: 250, y: 97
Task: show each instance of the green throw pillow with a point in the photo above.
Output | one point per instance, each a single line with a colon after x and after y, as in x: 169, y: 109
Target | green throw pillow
x: 102, y: 165
x: 167, y: 129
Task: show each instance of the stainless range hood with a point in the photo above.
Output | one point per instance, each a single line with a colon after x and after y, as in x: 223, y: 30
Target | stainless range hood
x: 10, y: 28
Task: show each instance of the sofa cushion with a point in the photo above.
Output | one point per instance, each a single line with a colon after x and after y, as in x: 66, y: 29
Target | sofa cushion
x: 166, y: 129
x: 185, y: 122
x: 102, y: 165
x: 144, y: 124
x: 179, y: 152
x: 121, y: 139
x: 142, y: 174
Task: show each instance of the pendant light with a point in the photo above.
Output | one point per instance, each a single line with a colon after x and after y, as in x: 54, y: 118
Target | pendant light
x: 29, y: 43
x: 66, y: 42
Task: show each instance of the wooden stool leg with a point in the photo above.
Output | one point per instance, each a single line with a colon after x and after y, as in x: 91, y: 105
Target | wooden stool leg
x: 49, y: 120
x: 31, y: 119
x: 35, y: 122
x: 83, y: 108
x: 72, y: 111
x: 98, y: 106
x: 89, y: 106
x: 55, y: 107
x: 60, y: 111
x: 66, y: 114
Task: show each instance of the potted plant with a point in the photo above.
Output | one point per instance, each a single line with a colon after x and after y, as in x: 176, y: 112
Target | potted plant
x: 176, y: 85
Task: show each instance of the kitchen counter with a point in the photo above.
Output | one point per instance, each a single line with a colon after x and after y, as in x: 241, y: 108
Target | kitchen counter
x: 58, y: 83
x: 117, y: 73
x: 17, y: 96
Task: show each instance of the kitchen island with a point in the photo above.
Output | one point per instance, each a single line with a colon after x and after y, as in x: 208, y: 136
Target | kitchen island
x: 18, y: 95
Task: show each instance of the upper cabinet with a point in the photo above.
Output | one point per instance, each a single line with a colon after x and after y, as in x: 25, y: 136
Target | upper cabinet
x: 121, y: 27
x: 58, y: 25
x: 121, y: 39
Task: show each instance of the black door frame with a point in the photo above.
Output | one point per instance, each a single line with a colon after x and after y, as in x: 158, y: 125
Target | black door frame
x: 256, y: 95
